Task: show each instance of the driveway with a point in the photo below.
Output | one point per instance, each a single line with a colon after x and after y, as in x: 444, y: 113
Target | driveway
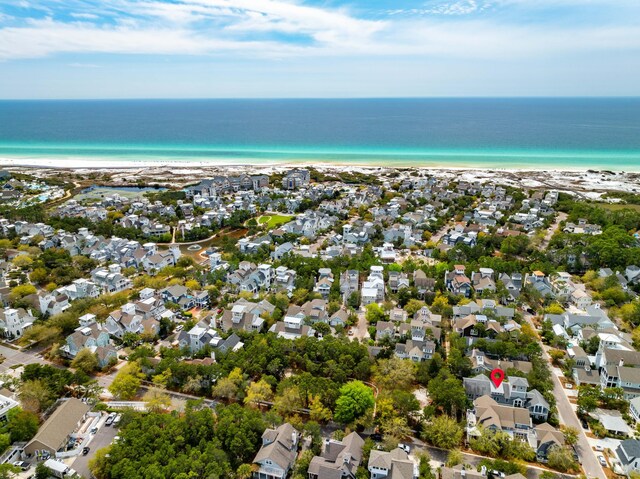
x: 360, y: 330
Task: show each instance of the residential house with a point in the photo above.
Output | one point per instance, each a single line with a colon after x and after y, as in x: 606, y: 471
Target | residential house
x: 612, y: 421
x: 284, y: 280
x: 373, y: 287
x: 513, y: 391
x: 292, y: 327
x: 422, y: 283
x: 339, y: 459
x: 547, y: 438
x: 295, y: 179
x: 513, y: 285
x: 349, y: 282
x: 324, y: 282
x: 395, y: 464
x: 278, y: 452
x: 54, y: 433
x: 538, y: 281
x: 457, y: 281
x: 397, y: 281
x: 6, y: 405
x: 515, y: 421
x: 13, y: 322
x: 481, y: 363
x: 620, y: 368
x: 93, y: 337
x: 244, y: 316
x: 111, y: 279
x: 416, y: 350
x: 629, y: 454
x: 483, y: 280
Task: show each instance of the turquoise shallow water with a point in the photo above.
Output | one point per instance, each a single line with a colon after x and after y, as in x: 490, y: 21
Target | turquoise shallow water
x: 487, y: 133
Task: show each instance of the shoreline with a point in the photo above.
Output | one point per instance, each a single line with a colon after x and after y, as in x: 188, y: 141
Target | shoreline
x: 587, y: 183
x: 77, y: 163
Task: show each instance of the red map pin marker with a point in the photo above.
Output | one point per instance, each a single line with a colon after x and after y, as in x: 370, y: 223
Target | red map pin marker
x: 497, y: 376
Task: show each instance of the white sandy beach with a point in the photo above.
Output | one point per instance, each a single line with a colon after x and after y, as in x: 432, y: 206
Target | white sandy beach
x: 588, y: 183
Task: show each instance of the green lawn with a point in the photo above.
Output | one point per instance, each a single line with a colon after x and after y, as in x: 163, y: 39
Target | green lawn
x: 273, y: 221
x: 618, y: 206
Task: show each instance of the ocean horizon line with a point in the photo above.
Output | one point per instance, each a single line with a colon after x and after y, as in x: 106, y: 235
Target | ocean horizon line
x: 311, y: 98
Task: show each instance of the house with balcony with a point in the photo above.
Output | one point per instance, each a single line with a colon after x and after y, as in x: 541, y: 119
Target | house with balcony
x: 512, y: 391
x: 457, y: 281
x: 487, y: 413
x: 278, y: 452
x: 14, y: 322
x: 111, y: 279
x: 244, y: 316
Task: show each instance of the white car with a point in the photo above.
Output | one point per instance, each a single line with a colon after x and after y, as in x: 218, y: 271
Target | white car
x: 599, y: 448
x: 603, y: 461
x: 404, y: 447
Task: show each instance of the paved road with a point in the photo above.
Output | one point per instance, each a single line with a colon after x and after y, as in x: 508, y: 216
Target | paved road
x: 569, y: 418
x: 16, y: 358
x: 101, y: 439
x: 552, y: 229
x: 439, y: 457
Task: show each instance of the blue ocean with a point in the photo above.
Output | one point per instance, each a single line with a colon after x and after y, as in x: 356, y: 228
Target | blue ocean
x: 588, y: 133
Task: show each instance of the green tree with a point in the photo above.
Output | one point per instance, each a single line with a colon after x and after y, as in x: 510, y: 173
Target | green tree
x: 374, y: 313
x: 258, y: 392
x: 127, y: 382
x: 561, y: 459
x: 244, y: 471
x: 85, y: 361
x: 34, y: 395
x: 7, y: 471
x: 43, y: 472
x: 22, y: 425
x: 355, y: 400
x: 394, y: 373
x: 443, y: 432
x: 447, y: 392
x: 156, y: 401
x: 318, y: 411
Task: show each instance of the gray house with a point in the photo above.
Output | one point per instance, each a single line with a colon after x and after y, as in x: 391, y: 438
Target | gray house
x: 277, y: 455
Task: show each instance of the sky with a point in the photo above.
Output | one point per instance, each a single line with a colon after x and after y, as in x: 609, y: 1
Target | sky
x: 315, y: 48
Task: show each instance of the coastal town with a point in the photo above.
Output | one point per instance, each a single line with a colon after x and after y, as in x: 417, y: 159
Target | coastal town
x: 317, y: 323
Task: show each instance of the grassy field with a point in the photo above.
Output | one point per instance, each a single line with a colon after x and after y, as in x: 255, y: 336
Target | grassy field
x: 273, y: 221
x: 617, y: 207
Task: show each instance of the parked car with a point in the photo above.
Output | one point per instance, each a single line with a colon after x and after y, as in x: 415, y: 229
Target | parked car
x: 585, y: 425
x: 110, y: 419
x: 23, y: 465
x: 603, y: 461
x: 599, y: 448
x: 94, y: 430
x: 405, y: 447
x: 376, y: 436
x: 116, y: 420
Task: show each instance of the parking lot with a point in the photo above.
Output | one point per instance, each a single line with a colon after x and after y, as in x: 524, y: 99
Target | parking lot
x: 102, y: 438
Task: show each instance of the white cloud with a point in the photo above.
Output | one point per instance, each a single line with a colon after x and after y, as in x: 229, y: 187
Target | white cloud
x: 218, y: 27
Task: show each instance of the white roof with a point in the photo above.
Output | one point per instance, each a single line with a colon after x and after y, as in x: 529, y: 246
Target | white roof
x: 56, y: 466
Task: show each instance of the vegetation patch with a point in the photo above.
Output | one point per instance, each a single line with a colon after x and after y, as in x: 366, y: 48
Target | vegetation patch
x: 273, y: 221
